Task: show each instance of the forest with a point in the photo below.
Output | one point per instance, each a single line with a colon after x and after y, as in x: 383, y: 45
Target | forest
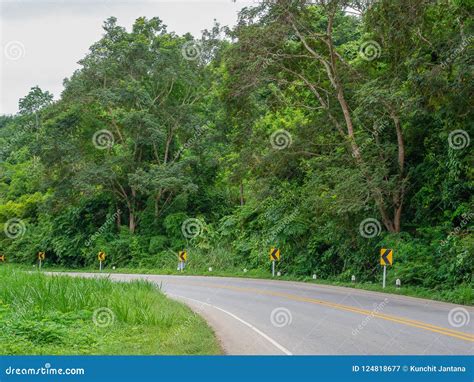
x: 328, y: 129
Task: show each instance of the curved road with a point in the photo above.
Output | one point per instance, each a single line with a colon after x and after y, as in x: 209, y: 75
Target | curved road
x: 252, y: 316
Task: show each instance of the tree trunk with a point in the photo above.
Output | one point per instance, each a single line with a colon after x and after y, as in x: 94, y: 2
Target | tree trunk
x: 131, y: 222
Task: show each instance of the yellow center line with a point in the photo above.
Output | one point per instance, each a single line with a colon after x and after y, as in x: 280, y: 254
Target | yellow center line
x: 401, y: 320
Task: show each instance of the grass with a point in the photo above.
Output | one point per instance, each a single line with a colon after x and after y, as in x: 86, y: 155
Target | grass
x: 463, y: 294
x: 60, y: 315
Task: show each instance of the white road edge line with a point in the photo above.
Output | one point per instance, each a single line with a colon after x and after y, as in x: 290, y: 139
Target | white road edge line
x: 269, y: 339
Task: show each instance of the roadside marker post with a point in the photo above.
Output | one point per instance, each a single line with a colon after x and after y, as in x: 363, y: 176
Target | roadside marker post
x: 274, y: 256
x: 41, y: 257
x: 101, y: 258
x: 183, y: 256
x: 386, y: 258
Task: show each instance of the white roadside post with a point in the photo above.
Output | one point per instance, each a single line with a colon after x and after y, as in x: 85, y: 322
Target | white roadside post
x: 384, y: 276
x: 353, y: 278
x: 398, y: 283
x: 273, y: 268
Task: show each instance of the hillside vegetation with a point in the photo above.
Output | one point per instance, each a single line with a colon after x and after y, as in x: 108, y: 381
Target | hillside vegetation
x: 329, y: 130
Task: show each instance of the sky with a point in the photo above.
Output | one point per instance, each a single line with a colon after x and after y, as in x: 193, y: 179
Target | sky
x: 42, y: 41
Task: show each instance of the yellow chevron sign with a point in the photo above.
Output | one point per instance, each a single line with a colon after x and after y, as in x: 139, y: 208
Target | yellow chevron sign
x: 386, y: 256
x: 183, y: 255
x: 41, y: 255
x: 101, y: 256
x: 2, y: 258
x: 274, y: 254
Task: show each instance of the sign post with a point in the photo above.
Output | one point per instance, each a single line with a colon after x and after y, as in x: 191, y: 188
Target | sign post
x: 274, y: 256
x: 384, y: 276
x: 386, y: 258
x: 182, y: 255
x: 101, y: 258
x: 41, y: 257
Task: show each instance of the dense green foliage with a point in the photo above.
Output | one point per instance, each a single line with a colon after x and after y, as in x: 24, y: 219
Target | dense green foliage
x: 62, y: 315
x: 290, y: 130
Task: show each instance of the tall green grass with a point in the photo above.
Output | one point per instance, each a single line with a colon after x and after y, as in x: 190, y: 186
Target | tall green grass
x: 64, y: 315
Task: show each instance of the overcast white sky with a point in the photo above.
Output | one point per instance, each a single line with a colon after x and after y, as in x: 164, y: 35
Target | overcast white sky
x: 42, y: 41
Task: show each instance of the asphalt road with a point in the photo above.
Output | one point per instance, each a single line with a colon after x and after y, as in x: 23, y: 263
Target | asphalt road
x: 253, y: 316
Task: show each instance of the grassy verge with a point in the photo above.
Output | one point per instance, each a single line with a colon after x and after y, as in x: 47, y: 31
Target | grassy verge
x: 64, y: 315
x: 463, y: 294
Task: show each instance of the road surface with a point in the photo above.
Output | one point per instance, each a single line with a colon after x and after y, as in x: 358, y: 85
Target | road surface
x: 252, y: 316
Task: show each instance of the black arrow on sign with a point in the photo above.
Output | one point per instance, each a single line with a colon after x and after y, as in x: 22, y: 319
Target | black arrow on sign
x: 385, y: 256
x: 275, y: 250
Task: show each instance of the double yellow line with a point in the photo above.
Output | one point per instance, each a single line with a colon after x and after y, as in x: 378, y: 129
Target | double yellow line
x: 400, y: 320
